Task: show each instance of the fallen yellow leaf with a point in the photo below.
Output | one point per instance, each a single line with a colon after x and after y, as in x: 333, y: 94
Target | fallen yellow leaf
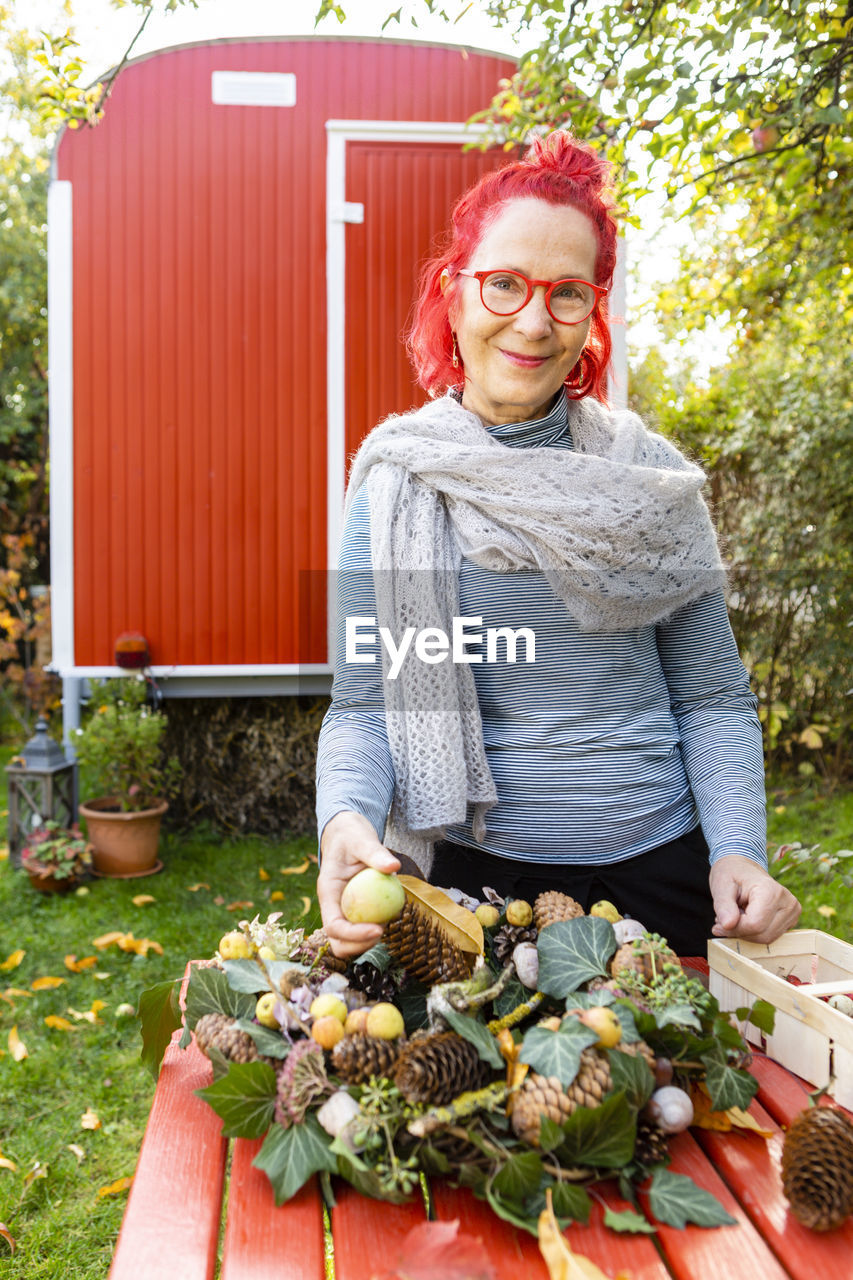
x: 721, y: 1121
x: 58, y: 1024
x: 5, y: 1233
x: 194, y: 888
x: 38, y: 1170
x: 89, y: 1119
x: 276, y: 896
x: 4, y: 852
x: 77, y: 966
x: 306, y: 906
x: 142, y: 899
x: 263, y: 874
x: 44, y: 984
x: 107, y: 939
x: 295, y: 871
x: 115, y: 1188
x: 6, y: 1163
x: 13, y: 960
x: 239, y: 906
x: 561, y: 1262
x: 17, y: 1048
x: 77, y: 1151
x: 90, y: 1015
x: 11, y: 992
x: 139, y: 946
x: 826, y: 911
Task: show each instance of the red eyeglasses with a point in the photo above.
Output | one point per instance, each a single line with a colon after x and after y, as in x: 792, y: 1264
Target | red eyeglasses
x: 506, y: 292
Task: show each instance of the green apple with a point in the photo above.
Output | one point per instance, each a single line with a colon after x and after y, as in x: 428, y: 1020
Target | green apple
x: 372, y: 897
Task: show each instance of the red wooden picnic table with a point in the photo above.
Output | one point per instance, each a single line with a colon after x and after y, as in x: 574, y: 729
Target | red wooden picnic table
x: 184, y: 1186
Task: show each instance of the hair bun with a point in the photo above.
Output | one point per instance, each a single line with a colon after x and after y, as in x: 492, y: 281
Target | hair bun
x: 560, y: 152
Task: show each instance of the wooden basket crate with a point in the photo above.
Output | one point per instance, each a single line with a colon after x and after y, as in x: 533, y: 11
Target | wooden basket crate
x: 809, y: 1038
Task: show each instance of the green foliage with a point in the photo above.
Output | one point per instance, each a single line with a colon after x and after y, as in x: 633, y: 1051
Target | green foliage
x: 557, y: 1053
x: 573, y: 951
x: 677, y: 1200
x: 121, y: 746
x: 159, y: 1015
x: 289, y: 1156
x: 244, y: 1098
x: 475, y: 1032
x: 774, y: 428
x: 63, y: 851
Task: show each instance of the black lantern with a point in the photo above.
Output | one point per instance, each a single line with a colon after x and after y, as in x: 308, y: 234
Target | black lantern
x: 42, y: 785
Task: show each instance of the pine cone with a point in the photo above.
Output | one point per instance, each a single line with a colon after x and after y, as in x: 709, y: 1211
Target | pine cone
x: 371, y: 982
x: 633, y: 955
x: 313, y: 945
x: 544, y: 1096
x: 554, y: 906
x: 507, y: 939
x: 651, y: 1146
x: 436, y: 1068
x: 817, y: 1168
x: 538, y: 1097
x: 592, y: 1082
x: 423, y: 948
x: 357, y: 1058
x: 639, y: 1049
x: 218, y: 1031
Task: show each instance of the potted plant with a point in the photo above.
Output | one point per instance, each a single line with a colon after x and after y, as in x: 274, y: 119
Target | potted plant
x: 55, y: 857
x: 121, y: 752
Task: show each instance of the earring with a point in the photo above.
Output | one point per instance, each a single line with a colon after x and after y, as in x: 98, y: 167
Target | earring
x: 580, y: 381
x: 455, y: 352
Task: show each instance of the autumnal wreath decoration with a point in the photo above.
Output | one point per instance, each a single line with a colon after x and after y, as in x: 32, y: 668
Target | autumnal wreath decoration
x: 527, y: 1051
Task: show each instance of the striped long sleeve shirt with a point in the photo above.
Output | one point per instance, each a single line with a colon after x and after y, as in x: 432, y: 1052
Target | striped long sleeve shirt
x: 606, y: 746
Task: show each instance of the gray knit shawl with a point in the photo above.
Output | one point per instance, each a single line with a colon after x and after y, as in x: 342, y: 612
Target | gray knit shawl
x: 617, y: 525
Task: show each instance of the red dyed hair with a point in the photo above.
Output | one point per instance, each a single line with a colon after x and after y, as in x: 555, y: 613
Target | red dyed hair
x: 556, y: 168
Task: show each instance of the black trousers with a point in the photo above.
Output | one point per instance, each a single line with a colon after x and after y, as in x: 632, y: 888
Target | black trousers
x: 666, y: 888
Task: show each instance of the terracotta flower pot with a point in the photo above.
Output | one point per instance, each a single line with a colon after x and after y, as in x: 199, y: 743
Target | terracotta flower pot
x: 124, y: 844
x: 43, y: 879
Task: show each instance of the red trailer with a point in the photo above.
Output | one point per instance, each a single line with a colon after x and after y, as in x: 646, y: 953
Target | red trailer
x: 233, y: 254
x: 232, y: 260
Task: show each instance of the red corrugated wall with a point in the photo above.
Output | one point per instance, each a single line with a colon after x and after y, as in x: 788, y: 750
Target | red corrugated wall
x: 199, y: 301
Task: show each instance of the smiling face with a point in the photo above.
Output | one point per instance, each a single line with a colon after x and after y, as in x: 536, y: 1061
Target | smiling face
x: 515, y: 365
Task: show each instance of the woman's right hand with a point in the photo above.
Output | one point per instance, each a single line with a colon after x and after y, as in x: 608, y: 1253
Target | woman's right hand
x: 349, y: 844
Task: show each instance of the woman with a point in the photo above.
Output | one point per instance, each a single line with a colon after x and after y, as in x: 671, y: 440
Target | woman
x: 536, y: 682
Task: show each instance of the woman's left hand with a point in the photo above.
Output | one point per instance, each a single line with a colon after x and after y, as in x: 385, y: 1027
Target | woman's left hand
x: 748, y: 902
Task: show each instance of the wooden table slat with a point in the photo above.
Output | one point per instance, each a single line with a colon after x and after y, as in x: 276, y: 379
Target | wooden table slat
x: 367, y: 1233
x: 261, y: 1242
x: 174, y: 1205
x: 516, y: 1253
x: 751, y: 1166
x: 696, y: 1252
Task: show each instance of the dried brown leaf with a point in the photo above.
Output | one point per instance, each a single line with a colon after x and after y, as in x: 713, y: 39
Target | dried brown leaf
x: 461, y: 925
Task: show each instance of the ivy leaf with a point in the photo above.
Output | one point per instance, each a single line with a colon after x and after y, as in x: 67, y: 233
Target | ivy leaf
x: 244, y: 1098
x: 762, y: 1014
x: 519, y: 1177
x: 627, y: 1220
x: 728, y: 1086
x: 248, y: 976
x: 159, y: 1014
x: 510, y: 998
x: 590, y: 999
x: 289, y: 1156
x: 679, y: 1014
x: 550, y: 1134
x: 411, y: 1002
x: 379, y: 956
x: 269, y: 1042
x: 509, y: 1210
x: 627, y: 1015
x: 603, y: 1136
x: 573, y: 951
x: 571, y: 1202
x: 676, y: 1200
x: 208, y: 991
x: 633, y: 1075
x: 557, y: 1053
x: 477, y: 1034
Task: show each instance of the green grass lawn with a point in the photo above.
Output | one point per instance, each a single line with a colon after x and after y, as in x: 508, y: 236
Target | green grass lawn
x: 50, y: 1202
